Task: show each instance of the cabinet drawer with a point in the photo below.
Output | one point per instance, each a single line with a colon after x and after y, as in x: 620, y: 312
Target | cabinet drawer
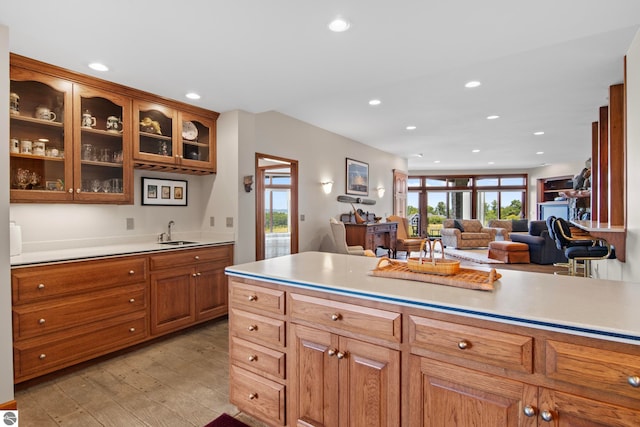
x: 257, y: 396
x: 496, y: 348
x: 349, y: 317
x: 257, y: 328
x: 190, y: 256
x: 67, y: 348
x: 256, y: 298
x: 46, y: 317
x: 38, y: 283
x: 602, y: 370
x: 257, y: 358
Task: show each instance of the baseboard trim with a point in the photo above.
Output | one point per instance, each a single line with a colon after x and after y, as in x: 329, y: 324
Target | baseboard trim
x: 9, y: 406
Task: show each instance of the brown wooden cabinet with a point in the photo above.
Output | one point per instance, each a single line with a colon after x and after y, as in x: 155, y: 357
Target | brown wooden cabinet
x: 66, y: 161
x: 187, y: 286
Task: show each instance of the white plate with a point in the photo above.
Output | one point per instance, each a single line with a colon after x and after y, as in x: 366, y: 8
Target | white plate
x: 189, y: 131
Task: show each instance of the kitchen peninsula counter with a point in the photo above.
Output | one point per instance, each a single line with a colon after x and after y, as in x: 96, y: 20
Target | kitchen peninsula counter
x: 589, y: 307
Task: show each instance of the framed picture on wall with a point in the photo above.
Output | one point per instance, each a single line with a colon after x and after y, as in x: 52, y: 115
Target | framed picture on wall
x: 164, y: 192
x: 357, y: 178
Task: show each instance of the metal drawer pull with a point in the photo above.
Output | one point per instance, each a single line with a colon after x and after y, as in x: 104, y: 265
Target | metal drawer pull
x: 546, y: 416
x: 131, y: 272
x: 529, y: 411
x: 253, y: 358
x: 132, y: 300
x: 41, y: 321
x: 464, y: 344
x: 132, y: 329
x: 253, y: 396
x: 336, y: 316
x: 198, y: 274
x: 253, y: 298
x: 634, y: 381
x: 252, y: 328
x: 332, y: 352
x: 193, y: 275
x: 196, y: 257
x: 341, y: 355
x: 42, y: 356
x: 41, y: 286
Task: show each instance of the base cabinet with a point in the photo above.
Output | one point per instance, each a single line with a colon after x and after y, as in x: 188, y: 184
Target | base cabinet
x: 340, y: 381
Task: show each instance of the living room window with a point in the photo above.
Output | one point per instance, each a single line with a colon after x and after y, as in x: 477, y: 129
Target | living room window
x: 431, y: 199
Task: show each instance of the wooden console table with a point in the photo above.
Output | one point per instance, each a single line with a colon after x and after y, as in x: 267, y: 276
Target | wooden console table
x: 374, y: 235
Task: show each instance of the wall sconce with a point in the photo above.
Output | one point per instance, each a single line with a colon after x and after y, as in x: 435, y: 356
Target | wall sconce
x: 327, y: 186
x: 248, y: 182
x: 380, y: 192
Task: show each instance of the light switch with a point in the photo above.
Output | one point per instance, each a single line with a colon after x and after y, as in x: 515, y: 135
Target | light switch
x: 301, y: 217
x: 229, y: 221
x: 212, y: 221
x: 130, y: 225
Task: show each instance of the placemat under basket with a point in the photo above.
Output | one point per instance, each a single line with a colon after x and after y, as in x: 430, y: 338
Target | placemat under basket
x: 465, y: 277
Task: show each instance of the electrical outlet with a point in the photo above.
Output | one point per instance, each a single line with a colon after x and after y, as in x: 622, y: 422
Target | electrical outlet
x: 130, y: 225
x: 212, y: 221
x: 229, y: 221
x: 301, y: 217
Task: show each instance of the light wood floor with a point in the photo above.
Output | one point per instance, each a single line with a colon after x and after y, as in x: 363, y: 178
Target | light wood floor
x: 179, y: 381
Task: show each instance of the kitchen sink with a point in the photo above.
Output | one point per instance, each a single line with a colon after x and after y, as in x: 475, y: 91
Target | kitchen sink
x: 177, y: 242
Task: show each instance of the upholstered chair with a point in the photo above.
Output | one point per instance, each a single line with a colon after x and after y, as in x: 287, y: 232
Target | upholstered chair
x: 404, y: 243
x: 340, y: 239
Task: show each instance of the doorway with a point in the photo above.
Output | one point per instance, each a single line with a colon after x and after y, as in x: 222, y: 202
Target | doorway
x: 276, y: 206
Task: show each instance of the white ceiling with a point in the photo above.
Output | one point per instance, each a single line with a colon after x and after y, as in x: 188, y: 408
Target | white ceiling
x: 544, y: 65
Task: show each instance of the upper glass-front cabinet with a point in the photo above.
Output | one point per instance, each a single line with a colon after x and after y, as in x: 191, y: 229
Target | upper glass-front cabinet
x: 168, y: 137
x: 40, y: 144
x: 102, y: 130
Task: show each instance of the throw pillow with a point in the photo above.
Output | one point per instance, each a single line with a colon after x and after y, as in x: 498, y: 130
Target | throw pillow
x: 457, y: 224
x: 520, y: 225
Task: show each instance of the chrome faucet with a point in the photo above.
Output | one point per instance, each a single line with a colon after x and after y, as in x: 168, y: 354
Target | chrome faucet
x: 171, y: 224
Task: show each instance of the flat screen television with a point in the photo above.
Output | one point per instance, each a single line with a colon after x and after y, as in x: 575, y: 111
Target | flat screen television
x: 557, y: 209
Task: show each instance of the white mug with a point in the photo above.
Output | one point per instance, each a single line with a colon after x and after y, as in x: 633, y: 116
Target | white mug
x: 14, y: 144
x: 88, y: 121
x: 26, y: 146
x: 114, y: 124
x: 44, y: 113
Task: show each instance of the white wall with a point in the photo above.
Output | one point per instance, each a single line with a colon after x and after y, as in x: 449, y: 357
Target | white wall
x: 6, y: 343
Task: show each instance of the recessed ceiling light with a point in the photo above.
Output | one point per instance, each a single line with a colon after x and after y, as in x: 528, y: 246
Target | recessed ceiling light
x: 538, y: 133
x: 339, y: 25
x: 436, y: 161
x: 97, y: 66
x: 192, y: 95
x: 491, y: 163
x: 410, y: 127
x: 493, y: 117
x: 540, y: 152
x: 473, y: 83
x: 375, y: 102
x: 475, y: 151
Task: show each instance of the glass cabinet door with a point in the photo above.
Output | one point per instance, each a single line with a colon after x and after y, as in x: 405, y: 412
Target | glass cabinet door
x: 196, y: 141
x: 102, y: 135
x: 40, y: 137
x: 155, y: 126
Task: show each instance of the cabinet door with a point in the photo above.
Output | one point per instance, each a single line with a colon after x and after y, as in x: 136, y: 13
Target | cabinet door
x: 154, y: 130
x: 447, y: 395
x: 172, y: 296
x: 211, y: 291
x: 197, y: 147
x: 566, y: 410
x: 40, y: 125
x: 369, y: 384
x: 313, y: 377
x: 102, y: 149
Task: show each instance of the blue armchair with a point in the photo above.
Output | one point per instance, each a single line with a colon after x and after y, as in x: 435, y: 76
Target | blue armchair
x: 542, y: 248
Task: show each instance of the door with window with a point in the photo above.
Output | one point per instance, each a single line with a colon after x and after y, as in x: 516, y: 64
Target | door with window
x: 276, y: 206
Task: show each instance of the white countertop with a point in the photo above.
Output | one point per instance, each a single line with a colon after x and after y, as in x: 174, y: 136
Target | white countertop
x: 102, y: 250
x: 597, y: 308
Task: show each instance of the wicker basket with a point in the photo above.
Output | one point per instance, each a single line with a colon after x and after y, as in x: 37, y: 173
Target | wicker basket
x: 432, y: 265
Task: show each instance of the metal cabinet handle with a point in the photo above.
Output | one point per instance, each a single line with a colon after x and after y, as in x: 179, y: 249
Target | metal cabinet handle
x: 197, y: 257
x: 341, y: 355
x: 332, y: 352
x: 252, y: 358
x: 253, y: 396
x: 546, y: 415
x: 252, y: 328
x: 71, y: 190
x: 132, y: 329
x: 78, y: 190
x: 132, y: 300
x: 41, y: 286
x: 634, y: 381
x: 336, y: 316
x: 42, y: 356
x: 131, y: 272
x: 464, y: 344
x: 253, y: 298
x: 529, y: 411
x: 193, y: 275
x: 41, y: 321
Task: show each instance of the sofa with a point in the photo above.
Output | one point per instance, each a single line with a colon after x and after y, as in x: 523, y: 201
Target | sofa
x: 504, y: 227
x: 466, y: 233
x: 542, y: 248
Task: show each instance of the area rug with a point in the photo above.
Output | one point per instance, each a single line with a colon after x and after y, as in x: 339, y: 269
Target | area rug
x: 225, y: 420
x: 479, y: 256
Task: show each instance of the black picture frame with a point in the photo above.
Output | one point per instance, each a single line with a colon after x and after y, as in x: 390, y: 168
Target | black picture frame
x: 163, y: 192
x: 357, y: 177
